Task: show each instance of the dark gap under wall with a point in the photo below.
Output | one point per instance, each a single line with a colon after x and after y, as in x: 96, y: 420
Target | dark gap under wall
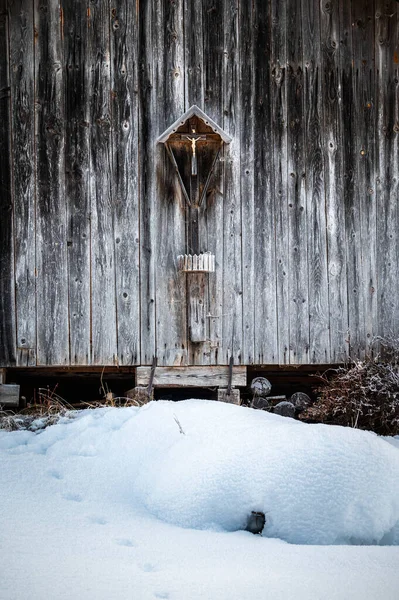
x: 77, y: 386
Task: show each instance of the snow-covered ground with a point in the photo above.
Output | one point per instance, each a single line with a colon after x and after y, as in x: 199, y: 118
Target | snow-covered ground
x: 151, y: 503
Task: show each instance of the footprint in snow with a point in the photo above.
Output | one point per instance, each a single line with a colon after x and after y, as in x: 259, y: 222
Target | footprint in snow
x: 55, y: 475
x: 98, y: 520
x: 72, y: 497
x: 125, y: 542
x: 148, y: 568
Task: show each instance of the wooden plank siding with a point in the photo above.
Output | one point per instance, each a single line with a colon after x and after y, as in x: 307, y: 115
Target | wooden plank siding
x: 7, y: 289
x: 301, y: 211
x: 77, y: 178
x: 125, y: 192
x: 52, y: 313
x: 23, y: 153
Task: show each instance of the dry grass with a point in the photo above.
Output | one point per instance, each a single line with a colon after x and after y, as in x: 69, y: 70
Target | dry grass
x: 364, y: 394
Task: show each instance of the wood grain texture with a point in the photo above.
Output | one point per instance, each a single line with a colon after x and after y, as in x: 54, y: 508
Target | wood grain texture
x: 103, y: 293
x: 297, y: 205
x: 168, y: 239
x: 124, y: 54
x: 77, y: 179
x: 280, y: 184
x: 7, y: 302
x: 248, y: 132
x: 301, y: 211
x: 213, y: 208
x: 23, y: 159
x: 335, y: 74
x: 386, y: 165
x: 265, y: 309
x: 365, y: 112
x: 51, y: 231
x: 197, y: 285
x: 9, y: 394
x: 232, y: 251
x: 193, y: 376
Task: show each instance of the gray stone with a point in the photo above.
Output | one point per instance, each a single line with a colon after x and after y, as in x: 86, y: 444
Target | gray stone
x: 261, y: 386
x: 260, y: 403
x: 300, y: 400
x: 284, y: 409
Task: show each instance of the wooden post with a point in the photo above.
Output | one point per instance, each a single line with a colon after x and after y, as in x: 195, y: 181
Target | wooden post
x: 229, y: 394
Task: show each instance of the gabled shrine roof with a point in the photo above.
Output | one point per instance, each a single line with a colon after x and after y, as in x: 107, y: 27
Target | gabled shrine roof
x: 191, y: 112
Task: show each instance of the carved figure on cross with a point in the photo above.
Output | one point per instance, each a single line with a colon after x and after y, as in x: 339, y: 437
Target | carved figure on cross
x: 194, y: 138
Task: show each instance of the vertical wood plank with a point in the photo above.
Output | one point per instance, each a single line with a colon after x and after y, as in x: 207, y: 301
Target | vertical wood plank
x: 352, y: 216
x: 362, y: 294
x: 22, y: 92
x: 171, y: 311
x: 265, y: 333
x: 197, y: 285
x: 124, y: 47
x: 297, y: 206
x: 248, y: 76
x: 51, y: 247
x: 77, y: 165
x: 319, y: 338
x: 7, y: 298
x: 213, y: 210
x: 103, y: 301
x: 232, y: 251
x: 148, y: 132
x: 335, y: 59
x: 280, y: 184
x: 386, y: 164
x: 194, y: 54
x: 162, y: 228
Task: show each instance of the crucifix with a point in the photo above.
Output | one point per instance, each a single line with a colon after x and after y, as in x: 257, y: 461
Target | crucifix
x: 194, y: 138
x: 193, y: 144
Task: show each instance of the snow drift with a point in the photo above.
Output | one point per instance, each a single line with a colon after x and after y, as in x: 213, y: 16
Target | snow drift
x: 206, y: 465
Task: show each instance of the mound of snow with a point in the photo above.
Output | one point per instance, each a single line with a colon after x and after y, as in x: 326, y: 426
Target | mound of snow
x: 316, y: 484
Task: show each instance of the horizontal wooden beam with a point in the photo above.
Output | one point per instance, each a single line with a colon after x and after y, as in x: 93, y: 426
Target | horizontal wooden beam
x: 9, y: 394
x: 205, y: 376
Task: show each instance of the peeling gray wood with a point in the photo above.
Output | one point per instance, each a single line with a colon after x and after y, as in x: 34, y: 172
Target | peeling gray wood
x: 125, y: 116
x: 297, y: 205
x: 103, y: 293
x: 232, y: 252
x: 7, y: 301
x: 213, y: 206
x: 9, y: 395
x: 148, y: 154
x: 386, y: 163
x: 77, y: 169
x: 23, y: 156
x: 169, y: 205
x: 51, y: 232
x: 365, y: 111
x: 193, y: 376
x: 302, y: 223
x: 335, y: 72
x: 265, y: 309
x: 247, y: 164
x: 319, y: 327
x: 280, y: 183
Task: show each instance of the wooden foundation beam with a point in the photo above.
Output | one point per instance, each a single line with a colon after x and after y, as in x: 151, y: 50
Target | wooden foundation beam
x: 199, y: 376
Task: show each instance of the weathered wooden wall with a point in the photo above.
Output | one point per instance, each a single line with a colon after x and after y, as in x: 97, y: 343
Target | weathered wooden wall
x: 302, y: 214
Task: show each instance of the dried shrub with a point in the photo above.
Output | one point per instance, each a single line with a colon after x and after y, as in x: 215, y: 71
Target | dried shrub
x: 363, y: 394
x: 46, y: 409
